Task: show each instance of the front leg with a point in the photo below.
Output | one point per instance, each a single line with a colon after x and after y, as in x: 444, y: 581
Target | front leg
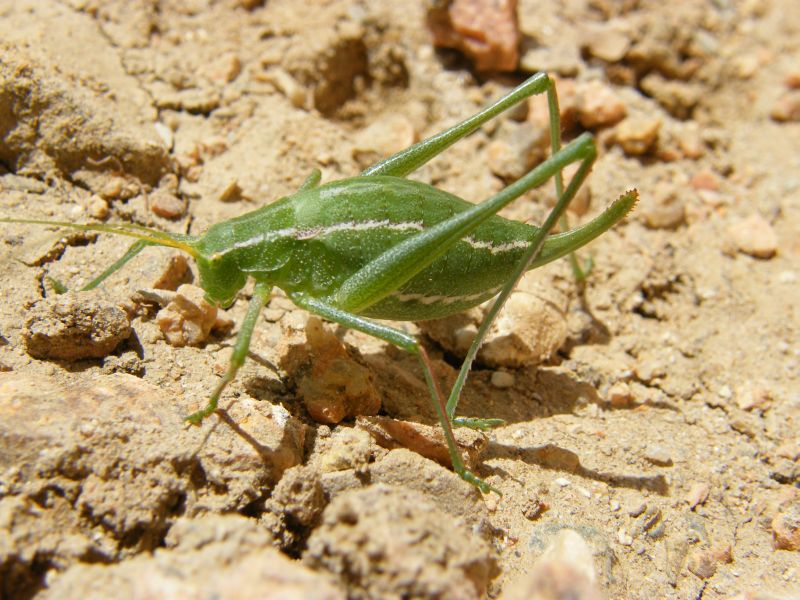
x: 260, y: 297
x: 410, y: 344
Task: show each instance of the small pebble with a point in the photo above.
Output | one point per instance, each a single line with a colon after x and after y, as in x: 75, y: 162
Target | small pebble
x: 533, y: 508
x: 650, y: 523
x: 786, y: 529
x: 167, y: 205
x: 188, y: 319
x: 637, y: 135
x: 286, y: 85
x: 226, y: 68
x: 606, y: 43
x: 746, y: 65
x: 697, y: 494
x: 754, y: 236
x: 561, y: 481
x: 98, y: 207
x: 664, y: 209
x: 705, y: 180
x: 619, y: 395
x: 691, y: 144
x: 383, y: 138
x: 658, y: 455
x: 713, y: 198
x: 624, y: 538
x: 787, y: 107
x: 560, y: 58
x: 753, y: 396
x: 232, y: 192
x: 502, y: 379
x: 725, y: 392
x: 702, y: 563
x: 792, y: 80
x: 599, y: 105
x: 173, y: 273
x: 486, y: 31
x: 166, y: 135
x: 636, y: 507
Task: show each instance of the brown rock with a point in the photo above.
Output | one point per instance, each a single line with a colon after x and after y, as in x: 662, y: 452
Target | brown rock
x: 385, y: 542
x: 702, y: 563
x: 619, y: 395
x: 517, y: 147
x: 405, y: 469
x: 188, y: 319
x: 599, y: 106
x: 173, y: 273
x: 606, y: 42
x: 298, y: 495
x: 119, y: 454
x: 753, y: 396
x: 678, y: 97
x: 787, y: 107
x: 697, y: 494
x: 486, y: 31
x: 383, y: 138
x: 792, y: 80
x: 426, y: 440
x: 705, y: 180
x: 691, y: 144
x: 786, y: 528
x: 166, y: 205
x: 531, y: 327
x: 347, y: 448
x: 57, y: 108
x: 331, y: 383
x: 74, y: 326
x: 637, y: 135
x: 224, y: 557
x: 705, y: 561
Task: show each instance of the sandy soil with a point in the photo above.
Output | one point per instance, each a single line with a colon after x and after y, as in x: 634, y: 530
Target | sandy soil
x: 651, y: 439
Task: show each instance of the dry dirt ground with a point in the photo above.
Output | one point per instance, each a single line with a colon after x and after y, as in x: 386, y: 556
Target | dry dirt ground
x: 651, y: 437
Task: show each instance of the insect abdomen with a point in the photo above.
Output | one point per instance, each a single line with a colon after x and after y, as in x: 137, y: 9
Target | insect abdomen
x: 345, y: 226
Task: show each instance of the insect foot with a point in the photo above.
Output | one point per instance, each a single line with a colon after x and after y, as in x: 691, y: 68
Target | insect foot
x: 479, y: 424
x: 479, y: 483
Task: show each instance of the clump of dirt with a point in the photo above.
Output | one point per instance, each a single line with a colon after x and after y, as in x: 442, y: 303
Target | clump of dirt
x: 650, y: 441
x: 385, y: 542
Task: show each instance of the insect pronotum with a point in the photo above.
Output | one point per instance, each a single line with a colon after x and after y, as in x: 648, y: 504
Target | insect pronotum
x: 379, y: 246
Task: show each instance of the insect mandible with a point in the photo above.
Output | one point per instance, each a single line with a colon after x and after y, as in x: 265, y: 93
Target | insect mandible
x: 379, y: 246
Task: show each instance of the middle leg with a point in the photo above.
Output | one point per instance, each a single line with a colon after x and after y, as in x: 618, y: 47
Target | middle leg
x: 410, y: 344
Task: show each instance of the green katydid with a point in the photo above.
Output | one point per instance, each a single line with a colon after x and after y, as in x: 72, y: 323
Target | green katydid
x: 379, y: 246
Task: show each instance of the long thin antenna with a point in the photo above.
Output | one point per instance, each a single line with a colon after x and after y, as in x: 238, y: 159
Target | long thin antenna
x: 152, y: 236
